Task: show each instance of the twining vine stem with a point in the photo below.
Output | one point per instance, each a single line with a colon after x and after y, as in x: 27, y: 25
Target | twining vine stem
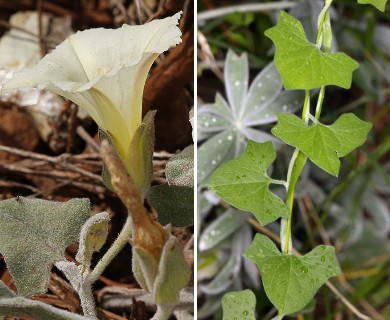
x: 299, y: 159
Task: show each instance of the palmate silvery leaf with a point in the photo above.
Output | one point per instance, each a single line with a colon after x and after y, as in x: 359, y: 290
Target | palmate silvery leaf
x: 220, y: 228
x: 224, y: 279
x: 379, y: 212
x: 218, y: 149
x: 244, y: 110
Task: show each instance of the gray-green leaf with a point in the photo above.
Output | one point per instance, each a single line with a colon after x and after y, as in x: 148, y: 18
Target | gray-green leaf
x: 180, y: 168
x: 37, y: 310
x: 33, y: 236
x: 173, y: 204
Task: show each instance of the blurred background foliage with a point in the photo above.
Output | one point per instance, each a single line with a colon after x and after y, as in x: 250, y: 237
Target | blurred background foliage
x: 351, y: 212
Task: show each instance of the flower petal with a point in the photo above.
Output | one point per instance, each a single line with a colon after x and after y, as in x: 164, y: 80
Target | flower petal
x: 104, y: 51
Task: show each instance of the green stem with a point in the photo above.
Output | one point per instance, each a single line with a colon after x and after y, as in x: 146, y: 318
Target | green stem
x: 299, y: 159
x: 321, y: 19
x: 306, y: 108
x: 319, y: 103
x: 294, y: 170
x: 298, y: 163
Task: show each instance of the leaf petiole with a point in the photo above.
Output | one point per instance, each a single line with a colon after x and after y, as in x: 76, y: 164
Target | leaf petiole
x: 280, y: 182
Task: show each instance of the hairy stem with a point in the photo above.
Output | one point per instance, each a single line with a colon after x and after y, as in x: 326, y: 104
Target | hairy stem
x: 87, y: 300
x: 163, y: 312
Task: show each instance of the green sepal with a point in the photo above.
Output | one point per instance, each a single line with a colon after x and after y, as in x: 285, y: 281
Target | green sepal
x: 106, y: 176
x: 144, y: 268
x: 140, y: 162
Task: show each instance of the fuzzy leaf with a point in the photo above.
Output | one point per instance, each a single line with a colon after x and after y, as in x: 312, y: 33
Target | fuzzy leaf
x: 180, y: 168
x: 173, y: 273
x: 173, y: 204
x: 379, y: 4
x: 303, y: 65
x: 324, y: 145
x: 5, y: 292
x: 72, y: 272
x: 93, y: 236
x: 244, y: 183
x: 10, y: 304
x: 33, y: 236
x: 239, y: 305
x: 289, y: 281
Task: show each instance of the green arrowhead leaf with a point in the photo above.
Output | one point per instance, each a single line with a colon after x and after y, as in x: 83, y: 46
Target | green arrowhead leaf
x: 33, y: 236
x: 323, y: 145
x: 239, y: 305
x: 379, y: 4
x: 289, y: 281
x: 301, y: 64
x: 244, y: 183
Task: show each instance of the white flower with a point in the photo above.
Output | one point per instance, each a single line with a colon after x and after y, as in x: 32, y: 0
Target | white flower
x: 104, y: 72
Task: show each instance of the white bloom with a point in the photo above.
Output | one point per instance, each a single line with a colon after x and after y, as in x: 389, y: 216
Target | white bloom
x: 104, y: 72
